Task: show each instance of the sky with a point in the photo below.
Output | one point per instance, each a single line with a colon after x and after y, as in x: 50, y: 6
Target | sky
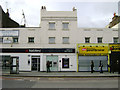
x: 90, y: 13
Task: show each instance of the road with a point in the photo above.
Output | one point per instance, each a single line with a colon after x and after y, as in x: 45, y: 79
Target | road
x: 36, y: 82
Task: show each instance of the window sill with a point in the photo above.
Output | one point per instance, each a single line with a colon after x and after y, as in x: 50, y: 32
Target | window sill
x: 66, y: 43
x: 87, y: 42
x: 65, y: 29
x: 31, y: 42
x: 15, y: 43
x: 52, y: 43
x: 99, y: 42
x: 52, y: 29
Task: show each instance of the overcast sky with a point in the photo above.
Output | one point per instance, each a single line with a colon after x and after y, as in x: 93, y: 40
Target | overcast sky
x: 91, y: 13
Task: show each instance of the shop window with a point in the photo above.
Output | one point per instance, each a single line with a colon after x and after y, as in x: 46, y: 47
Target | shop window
x: 65, y: 40
x: 30, y: 39
x: 51, y: 25
x: 15, y: 39
x: 50, y: 63
x: 115, y: 39
x: 51, y: 40
x: 99, y: 39
x: 87, y: 39
x: 65, y: 62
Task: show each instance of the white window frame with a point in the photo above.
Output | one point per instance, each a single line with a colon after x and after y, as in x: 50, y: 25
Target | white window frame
x: 31, y: 38
x: 98, y: 39
x: 15, y: 38
x: 65, y: 40
x: 64, y: 24
x: 53, y: 40
x: 53, y: 25
x: 88, y: 39
x: 1, y: 39
x: 116, y: 39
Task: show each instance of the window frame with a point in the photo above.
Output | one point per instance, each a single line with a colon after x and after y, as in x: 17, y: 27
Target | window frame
x: 51, y: 42
x: 64, y: 26
x: 30, y: 41
x: 88, y: 39
x: 115, y: 38
x: 65, y: 65
x: 98, y: 40
x: 68, y: 41
x: 15, y: 38
x: 50, y: 26
x: 1, y: 39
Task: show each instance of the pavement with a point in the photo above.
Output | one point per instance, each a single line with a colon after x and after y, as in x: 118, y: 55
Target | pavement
x: 61, y: 74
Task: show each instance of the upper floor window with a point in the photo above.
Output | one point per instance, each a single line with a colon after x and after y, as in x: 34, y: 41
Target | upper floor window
x: 51, y: 25
x: 51, y: 40
x: 99, y: 39
x: 87, y: 39
x: 15, y: 39
x: 115, y: 39
x: 65, y: 40
x: 1, y: 39
x: 65, y: 25
x: 30, y: 39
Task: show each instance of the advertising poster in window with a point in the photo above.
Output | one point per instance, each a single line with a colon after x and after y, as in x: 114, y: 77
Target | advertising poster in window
x: 65, y: 62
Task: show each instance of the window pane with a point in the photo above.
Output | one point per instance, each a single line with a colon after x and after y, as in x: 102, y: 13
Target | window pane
x: 65, y: 62
x: 65, y: 25
x: 51, y: 39
x: 1, y: 39
x: 51, y: 25
x: 87, y: 40
x: 65, y: 39
x: 115, y: 39
x: 31, y: 39
x: 99, y: 39
x: 15, y: 40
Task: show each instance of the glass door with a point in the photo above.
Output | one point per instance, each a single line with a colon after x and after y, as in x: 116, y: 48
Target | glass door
x: 35, y: 63
x: 53, y: 62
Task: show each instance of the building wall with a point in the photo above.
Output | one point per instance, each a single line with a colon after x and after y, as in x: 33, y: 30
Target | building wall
x: 0, y: 16
x: 76, y: 36
x: 119, y: 32
x: 41, y: 35
x: 24, y: 57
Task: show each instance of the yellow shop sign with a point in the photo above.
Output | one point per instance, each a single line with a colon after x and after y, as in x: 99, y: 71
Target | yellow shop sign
x: 114, y: 47
x: 93, y: 50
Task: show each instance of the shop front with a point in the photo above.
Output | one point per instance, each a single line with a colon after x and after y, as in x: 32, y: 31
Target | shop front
x: 114, y: 57
x: 34, y: 59
x: 92, y: 52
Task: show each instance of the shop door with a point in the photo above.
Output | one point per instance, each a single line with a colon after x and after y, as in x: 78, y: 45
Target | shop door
x: 14, y: 65
x: 114, y: 61
x: 53, y: 62
x: 35, y: 63
x: 85, y: 62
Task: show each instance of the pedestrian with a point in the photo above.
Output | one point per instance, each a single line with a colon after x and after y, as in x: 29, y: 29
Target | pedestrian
x: 101, y: 66
x: 92, y: 66
x: 48, y: 66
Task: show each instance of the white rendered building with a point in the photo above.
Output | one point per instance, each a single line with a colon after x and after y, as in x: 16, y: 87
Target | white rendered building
x: 55, y: 40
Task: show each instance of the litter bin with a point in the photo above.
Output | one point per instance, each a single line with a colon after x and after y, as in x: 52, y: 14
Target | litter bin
x: 14, y: 65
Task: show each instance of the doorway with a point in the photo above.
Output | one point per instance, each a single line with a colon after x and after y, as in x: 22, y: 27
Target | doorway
x: 53, y: 62
x: 35, y: 63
